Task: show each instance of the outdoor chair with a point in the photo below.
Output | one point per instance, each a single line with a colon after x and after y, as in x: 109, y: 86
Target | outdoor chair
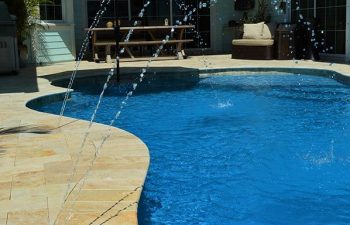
x: 257, y: 42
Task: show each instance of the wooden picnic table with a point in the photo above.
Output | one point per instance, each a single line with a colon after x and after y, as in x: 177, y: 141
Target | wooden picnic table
x: 154, y: 38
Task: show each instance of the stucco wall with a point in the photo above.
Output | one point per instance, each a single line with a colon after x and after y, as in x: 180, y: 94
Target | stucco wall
x: 55, y: 44
x: 80, y: 21
x: 55, y: 40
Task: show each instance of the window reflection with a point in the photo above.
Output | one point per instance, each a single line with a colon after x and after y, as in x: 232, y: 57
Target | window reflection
x: 331, y: 15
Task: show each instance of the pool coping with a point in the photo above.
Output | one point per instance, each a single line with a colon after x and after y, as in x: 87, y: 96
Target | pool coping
x: 37, y: 166
x: 73, y: 131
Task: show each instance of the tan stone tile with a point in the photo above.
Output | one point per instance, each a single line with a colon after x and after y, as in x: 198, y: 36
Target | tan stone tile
x: 24, y: 168
x: 28, y: 180
x: 120, y: 164
x: 5, y: 189
x: 3, y: 221
x: 24, y: 204
x: 56, y: 191
x: 108, y: 195
x: 34, y: 153
x: 30, y: 217
x: 111, y: 183
x: 6, y: 163
x: 23, y: 193
x: 84, y: 158
x: 42, y: 160
x: 9, y: 140
x: 9, y: 122
x: 3, y: 215
x: 5, y: 194
x: 131, y: 151
x: 61, y: 167
x: 120, y: 174
x: 123, y: 218
x: 55, y: 179
x: 55, y: 209
x: 76, y: 218
x: 3, y: 218
x: 56, y: 173
x: 99, y: 206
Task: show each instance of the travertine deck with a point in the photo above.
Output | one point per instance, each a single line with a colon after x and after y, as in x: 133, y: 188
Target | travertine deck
x: 35, y: 168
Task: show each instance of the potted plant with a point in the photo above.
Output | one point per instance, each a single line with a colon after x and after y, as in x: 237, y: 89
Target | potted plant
x: 261, y: 12
x: 27, y: 13
x: 260, y: 15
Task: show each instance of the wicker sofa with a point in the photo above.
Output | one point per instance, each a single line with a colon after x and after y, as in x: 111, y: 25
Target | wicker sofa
x: 257, y: 42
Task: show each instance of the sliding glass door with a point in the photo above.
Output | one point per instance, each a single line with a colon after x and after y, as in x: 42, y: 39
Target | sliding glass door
x: 200, y: 18
x: 156, y: 13
x: 331, y: 15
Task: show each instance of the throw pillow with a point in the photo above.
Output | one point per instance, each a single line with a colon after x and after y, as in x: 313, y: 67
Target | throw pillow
x: 253, y: 31
x: 269, y: 31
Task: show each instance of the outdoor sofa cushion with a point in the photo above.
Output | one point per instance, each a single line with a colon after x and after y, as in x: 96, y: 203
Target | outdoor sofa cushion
x: 257, y: 42
x: 252, y: 42
x: 269, y: 31
x: 253, y: 31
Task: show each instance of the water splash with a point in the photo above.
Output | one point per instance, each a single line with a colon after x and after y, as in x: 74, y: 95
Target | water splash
x: 78, y: 186
x: 100, y: 12
x: 87, y: 132
x: 321, y: 159
x: 226, y: 104
x: 82, y: 180
x: 115, y: 204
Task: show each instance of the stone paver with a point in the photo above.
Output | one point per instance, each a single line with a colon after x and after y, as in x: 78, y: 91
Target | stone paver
x: 35, y: 169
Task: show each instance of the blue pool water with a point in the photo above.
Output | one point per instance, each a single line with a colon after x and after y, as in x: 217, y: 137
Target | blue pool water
x: 238, y: 150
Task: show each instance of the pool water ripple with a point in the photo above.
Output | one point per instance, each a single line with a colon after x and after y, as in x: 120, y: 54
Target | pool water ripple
x: 242, y: 150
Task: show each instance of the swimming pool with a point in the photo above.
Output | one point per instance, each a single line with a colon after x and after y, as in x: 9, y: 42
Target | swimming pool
x: 258, y: 150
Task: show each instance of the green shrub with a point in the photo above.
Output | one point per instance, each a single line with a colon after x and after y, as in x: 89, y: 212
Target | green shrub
x: 27, y: 13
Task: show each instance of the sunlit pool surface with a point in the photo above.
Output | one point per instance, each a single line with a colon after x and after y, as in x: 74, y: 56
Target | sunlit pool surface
x: 238, y: 150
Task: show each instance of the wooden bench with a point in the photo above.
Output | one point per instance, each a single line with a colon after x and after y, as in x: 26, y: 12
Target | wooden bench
x: 108, y: 44
x: 151, y: 30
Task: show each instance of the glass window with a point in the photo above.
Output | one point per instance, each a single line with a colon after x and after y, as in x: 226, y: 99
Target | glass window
x: 340, y: 42
x: 331, y: 17
x: 321, y: 3
x: 341, y: 2
x: 51, y: 10
x: 136, y: 6
x: 156, y: 13
x: 116, y: 8
x: 200, y: 18
x: 340, y: 18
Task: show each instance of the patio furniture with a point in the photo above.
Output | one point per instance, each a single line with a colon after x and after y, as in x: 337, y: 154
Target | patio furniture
x: 145, y: 36
x: 256, y: 43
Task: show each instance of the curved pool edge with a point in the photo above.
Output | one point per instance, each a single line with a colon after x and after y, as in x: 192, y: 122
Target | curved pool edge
x: 42, y: 206
x: 329, y: 73
x: 201, y: 72
x: 36, y: 167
